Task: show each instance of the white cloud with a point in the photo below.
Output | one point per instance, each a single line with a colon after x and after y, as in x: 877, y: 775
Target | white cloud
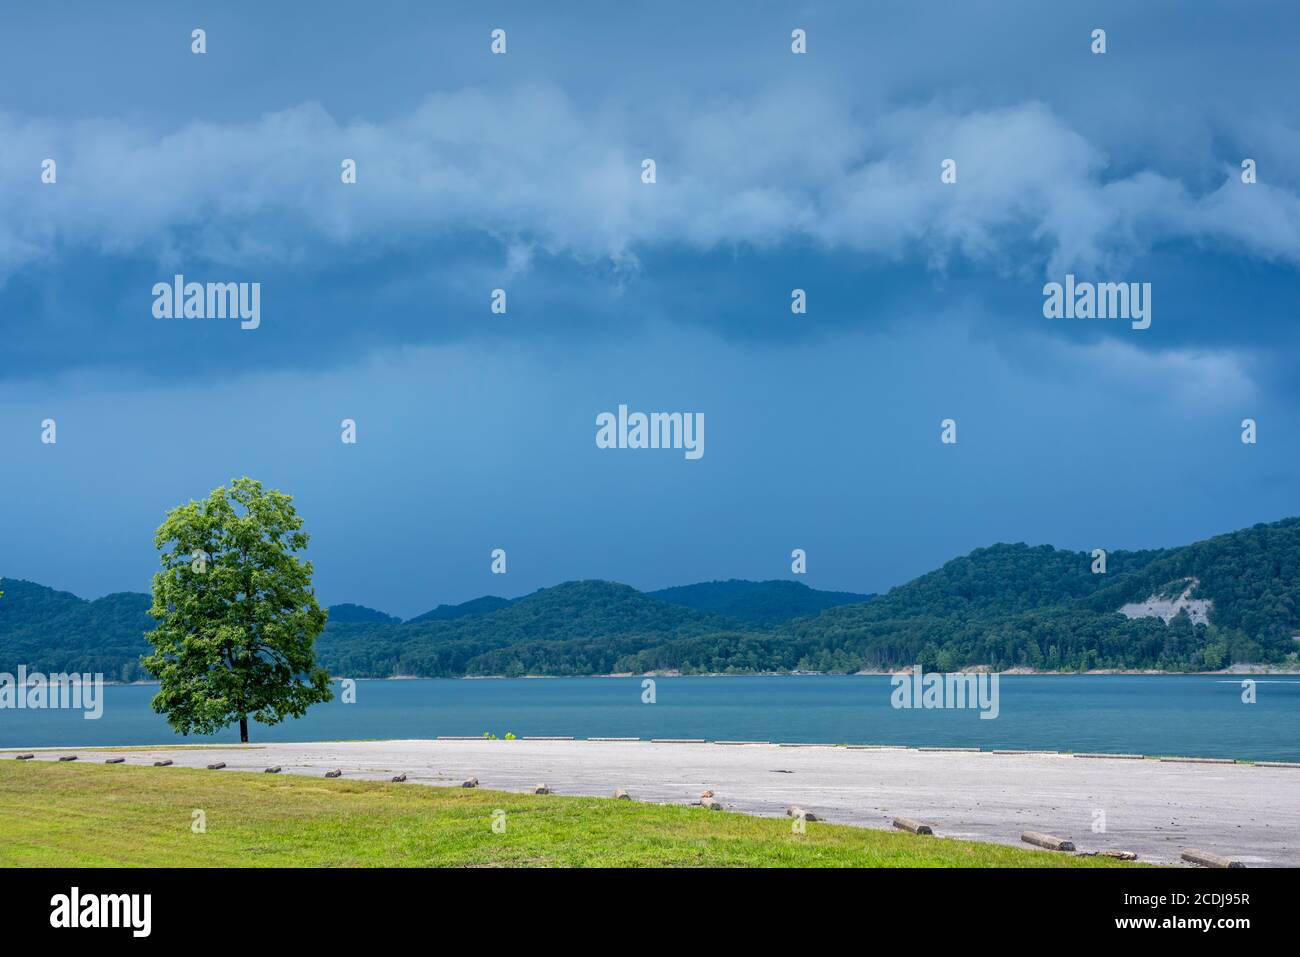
x: 535, y: 172
x: 1186, y: 378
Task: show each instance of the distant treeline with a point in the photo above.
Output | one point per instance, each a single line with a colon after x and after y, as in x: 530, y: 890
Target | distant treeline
x: 1003, y: 607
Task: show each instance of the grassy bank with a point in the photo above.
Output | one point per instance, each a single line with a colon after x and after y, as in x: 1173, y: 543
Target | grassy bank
x: 95, y: 815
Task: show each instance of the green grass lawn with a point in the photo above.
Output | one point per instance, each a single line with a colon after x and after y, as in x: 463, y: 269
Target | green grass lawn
x: 118, y: 815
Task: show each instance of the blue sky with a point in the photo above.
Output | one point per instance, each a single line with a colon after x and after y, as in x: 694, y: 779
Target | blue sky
x: 522, y: 172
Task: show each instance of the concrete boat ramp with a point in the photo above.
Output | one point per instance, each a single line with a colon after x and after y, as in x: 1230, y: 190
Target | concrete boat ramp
x: 1156, y: 808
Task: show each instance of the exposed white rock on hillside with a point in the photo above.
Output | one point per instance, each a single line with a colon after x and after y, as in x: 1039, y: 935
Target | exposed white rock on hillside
x: 1166, y: 609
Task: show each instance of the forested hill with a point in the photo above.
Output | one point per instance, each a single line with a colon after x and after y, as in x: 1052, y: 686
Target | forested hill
x: 55, y: 631
x: 1003, y: 606
x: 360, y: 614
x: 593, y: 622
x: 768, y: 602
x: 1012, y: 605
x: 477, y: 606
x: 576, y: 628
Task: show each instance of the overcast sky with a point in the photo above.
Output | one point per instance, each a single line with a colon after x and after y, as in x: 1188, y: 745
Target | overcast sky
x: 522, y: 171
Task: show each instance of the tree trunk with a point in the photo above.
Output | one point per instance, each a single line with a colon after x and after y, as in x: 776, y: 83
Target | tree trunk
x: 243, y: 729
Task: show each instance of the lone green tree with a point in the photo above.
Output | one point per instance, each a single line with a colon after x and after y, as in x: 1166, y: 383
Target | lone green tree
x: 237, y: 616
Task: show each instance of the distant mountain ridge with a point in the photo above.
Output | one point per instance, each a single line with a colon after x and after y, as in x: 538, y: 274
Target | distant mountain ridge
x: 588, y: 625
x: 1000, y: 607
x: 768, y: 602
x: 55, y: 631
x: 348, y: 613
x: 475, y: 606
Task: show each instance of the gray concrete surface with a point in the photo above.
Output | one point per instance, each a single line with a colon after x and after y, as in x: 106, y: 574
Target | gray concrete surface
x: 1158, y: 809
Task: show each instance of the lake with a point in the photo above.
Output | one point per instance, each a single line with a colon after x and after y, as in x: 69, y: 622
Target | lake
x: 1148, y: 714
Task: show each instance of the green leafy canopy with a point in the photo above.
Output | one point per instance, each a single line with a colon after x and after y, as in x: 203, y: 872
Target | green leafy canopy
x: 237, y: 615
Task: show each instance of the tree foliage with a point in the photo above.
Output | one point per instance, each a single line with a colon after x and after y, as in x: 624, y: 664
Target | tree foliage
x: 237, y: 617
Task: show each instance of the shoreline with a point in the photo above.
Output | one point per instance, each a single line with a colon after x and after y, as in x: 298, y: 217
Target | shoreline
x: 1244, y: 671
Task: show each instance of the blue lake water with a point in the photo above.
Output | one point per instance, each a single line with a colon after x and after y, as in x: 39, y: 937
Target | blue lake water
x: 1186, y: 715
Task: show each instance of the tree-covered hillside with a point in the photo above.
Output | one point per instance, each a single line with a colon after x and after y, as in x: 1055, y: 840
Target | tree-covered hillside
x: 348, y: 613
x: 571, y: 629
x: 1013, y: 605
x: 475, y: 606
x: 767, y: 602
x: 1004, y: 606
x: 54, y: 631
